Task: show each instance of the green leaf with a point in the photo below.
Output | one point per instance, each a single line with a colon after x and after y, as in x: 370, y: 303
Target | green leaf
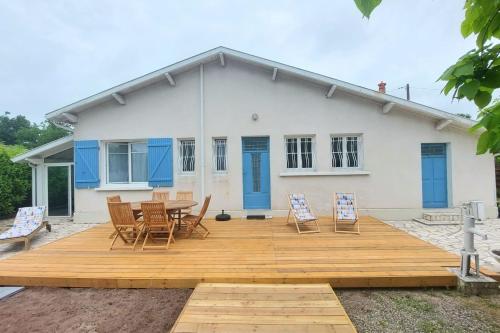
x: 367, y: 6
x: 466, y: 28
x: 482, y: 99
x: 469, y: 89
x: 447, y: 74
x: 450, y: 85
x: 483, y: 143
x: 491, y: 78
x: 465, y: 69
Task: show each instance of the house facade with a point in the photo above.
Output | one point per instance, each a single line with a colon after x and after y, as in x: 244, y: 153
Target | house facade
x: 249, y: 131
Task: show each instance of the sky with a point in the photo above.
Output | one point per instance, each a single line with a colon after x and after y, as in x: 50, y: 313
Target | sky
x: 53, y: 53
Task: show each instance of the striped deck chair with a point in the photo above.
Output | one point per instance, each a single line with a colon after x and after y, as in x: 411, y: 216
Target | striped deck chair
x: 345, y: 211
x: 302, y: 213
x: 28, y: 221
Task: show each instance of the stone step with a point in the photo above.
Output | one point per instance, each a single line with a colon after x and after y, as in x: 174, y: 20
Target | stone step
x: 442, y: 216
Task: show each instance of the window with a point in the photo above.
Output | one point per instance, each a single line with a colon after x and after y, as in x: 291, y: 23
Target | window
x: 186, y: 155
x: 346, y: 151
x: 220, y: 155
x: 127, y: 162
x: 299, y: 152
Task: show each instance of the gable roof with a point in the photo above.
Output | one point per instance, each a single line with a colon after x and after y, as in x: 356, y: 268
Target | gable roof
x: 220, y: 52
x: 47, y: 149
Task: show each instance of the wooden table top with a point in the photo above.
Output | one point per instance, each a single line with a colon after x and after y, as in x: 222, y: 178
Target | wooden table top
x: 169, y: 205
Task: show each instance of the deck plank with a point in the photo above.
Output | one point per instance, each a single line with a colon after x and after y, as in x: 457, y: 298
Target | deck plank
x: 322, y: 312
x: 239, y: 251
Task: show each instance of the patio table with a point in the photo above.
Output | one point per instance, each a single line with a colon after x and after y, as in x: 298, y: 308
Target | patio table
x: 171, y: 206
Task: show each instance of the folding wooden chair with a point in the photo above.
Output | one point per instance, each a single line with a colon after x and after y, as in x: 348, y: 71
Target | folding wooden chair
x: 157, y: 224
x: 114, y: 198
x: 192, y: 222
x: 345, y: 210
x: 162, y: 196
x: 302, y: 213
x: 184, y: 195
x: 28, y: 221
x: 126, y: 226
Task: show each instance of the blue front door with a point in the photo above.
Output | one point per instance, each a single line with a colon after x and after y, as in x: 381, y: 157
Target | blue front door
x: 256, y: 181
x: 434, y: 175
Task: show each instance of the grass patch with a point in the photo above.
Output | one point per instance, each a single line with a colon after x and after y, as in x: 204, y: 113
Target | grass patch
x: 433, y: 326
x: 409, y: 302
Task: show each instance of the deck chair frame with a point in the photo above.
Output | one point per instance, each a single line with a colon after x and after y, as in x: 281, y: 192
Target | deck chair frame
x: 129, y: 232
x: 345, y: 222
x: 27, y: 238
x: 302, y: 222
x: 192, y: 222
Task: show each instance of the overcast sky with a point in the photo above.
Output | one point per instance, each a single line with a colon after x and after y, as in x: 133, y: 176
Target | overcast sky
x: 54, y: 53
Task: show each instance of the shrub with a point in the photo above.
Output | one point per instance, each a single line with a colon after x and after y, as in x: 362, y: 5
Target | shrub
x: 15, y: 182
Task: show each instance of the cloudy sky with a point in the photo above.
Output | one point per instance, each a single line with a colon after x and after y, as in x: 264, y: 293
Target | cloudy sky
x: 55, y: 52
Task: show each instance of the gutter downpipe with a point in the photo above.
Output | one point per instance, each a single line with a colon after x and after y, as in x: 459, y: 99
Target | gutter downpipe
x: 202, y: 131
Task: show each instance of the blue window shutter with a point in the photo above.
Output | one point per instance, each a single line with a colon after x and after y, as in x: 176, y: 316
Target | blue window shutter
x: 160, y: 162
x: 86, y: 164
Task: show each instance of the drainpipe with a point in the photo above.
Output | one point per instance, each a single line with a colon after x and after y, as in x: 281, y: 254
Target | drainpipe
x: 202, y: 132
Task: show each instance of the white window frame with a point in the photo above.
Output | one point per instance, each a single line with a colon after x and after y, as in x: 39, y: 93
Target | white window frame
x: 180, y: 157
x: 129, y: 143
x: 344, y: 151
x: 214, y: 156
x: 299, y: 152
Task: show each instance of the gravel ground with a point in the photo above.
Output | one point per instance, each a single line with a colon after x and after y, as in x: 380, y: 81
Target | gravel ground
x: 92, y: 310
x: 405, y: 310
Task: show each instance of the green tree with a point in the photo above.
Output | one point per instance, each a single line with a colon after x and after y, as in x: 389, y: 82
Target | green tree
x: 476, y: 75
x: 15, y: 181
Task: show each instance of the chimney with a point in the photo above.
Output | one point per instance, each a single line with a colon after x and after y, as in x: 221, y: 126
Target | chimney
x: 381, y: 87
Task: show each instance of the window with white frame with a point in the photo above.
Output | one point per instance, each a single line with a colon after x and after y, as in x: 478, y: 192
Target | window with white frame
x: 346, y: 151
x: 127, y: 162
x: 220, y: 155
x: 299, y: 152
x: 186, y: 155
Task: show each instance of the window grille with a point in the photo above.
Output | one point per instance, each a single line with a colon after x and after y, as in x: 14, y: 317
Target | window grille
x: 345, y: 151
x: 256, y: 171
x: 299, y: 153
x: 186, y: 155
x: 220, y: 155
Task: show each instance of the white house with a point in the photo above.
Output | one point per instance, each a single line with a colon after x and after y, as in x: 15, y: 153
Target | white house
x: 250, y: 130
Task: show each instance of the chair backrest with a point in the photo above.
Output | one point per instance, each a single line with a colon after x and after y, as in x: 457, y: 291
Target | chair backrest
x: 203, y: 210
x: 121, y: 214
x: 30, y: 216
x: 345, y: 206
x: 300, y: 207
x: 114, y: 198
x: 154, y: 213
x: 162, y: 196
x: 184, y: 195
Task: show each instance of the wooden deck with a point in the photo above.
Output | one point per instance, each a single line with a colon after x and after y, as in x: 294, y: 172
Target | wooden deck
x: 264, y: 308
x: 239, y: 251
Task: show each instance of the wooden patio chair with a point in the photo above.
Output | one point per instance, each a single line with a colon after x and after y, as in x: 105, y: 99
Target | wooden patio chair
x: 345, y: 211
x: 302, y: 213
x: 28, y: 221
x: 162, y: 196
x: 114, y: 198
x: 192, y: 222
x: 126, y: 226
x: 157, y: 224
x: 184, y: 195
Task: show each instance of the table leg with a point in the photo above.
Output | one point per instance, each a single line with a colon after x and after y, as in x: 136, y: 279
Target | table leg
x: 179, y: 220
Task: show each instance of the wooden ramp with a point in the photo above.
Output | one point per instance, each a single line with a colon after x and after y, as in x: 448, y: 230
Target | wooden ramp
x: 239, y: 251
x: 269, y: 308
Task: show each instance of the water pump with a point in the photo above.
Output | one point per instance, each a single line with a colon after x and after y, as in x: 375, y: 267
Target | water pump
x: 472, y: 211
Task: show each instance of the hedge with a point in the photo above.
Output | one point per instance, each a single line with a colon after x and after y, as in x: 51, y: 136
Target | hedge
x: 15, y: 182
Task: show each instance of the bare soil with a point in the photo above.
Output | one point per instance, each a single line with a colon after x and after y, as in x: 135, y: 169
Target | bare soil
x: 155, y: 310
x: 92, y: 310
x: 422, y: 310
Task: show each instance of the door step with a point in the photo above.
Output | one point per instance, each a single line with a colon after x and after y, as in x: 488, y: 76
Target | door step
x: 257, y: 214
x: 441, y: 218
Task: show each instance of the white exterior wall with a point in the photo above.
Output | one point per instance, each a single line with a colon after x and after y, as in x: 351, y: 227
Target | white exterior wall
x: 287, y: 106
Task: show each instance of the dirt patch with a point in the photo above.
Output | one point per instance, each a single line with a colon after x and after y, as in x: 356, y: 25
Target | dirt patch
x: 92, y: 310
x: 426, y: 311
